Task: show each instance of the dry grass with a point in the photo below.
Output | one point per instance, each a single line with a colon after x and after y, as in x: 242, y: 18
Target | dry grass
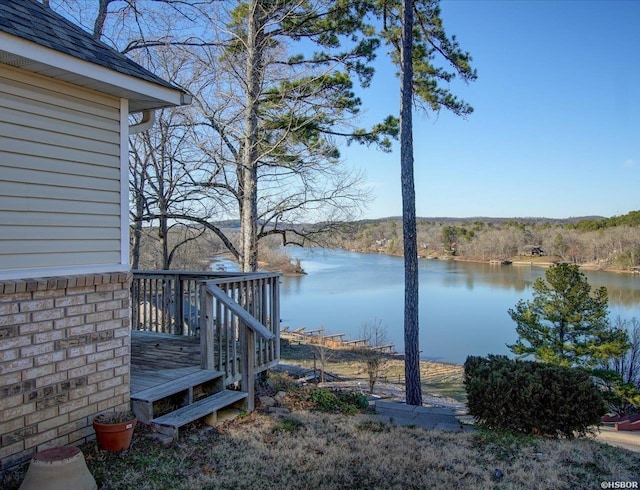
x: 307, y: 449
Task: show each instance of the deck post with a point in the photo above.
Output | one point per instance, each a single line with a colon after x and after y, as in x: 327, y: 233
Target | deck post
x: 206, y: 329
x: 178, y: 302
x: 247, y: 366
x: 275, y: 319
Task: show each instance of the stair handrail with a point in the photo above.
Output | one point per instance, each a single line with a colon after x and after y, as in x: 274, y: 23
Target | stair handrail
x: 248, y: 335
x: 248, y: 319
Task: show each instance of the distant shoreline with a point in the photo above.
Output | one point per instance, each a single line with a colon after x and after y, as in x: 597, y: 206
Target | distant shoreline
x: 519, y: 260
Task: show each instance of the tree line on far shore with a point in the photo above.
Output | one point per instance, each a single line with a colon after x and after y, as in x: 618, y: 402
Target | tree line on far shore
x: 607, y: 243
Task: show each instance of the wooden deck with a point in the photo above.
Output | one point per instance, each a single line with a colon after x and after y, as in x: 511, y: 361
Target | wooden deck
x: 157, y: 358
x: 176, y: 377
x: 153, y: 351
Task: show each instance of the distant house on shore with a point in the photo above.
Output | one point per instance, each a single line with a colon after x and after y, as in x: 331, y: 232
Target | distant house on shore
x: 65, y: 101
x: 532, y: 251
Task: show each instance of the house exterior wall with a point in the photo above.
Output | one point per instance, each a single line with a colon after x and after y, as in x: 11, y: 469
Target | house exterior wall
x: 64, y: 129
x: 61, y: 192
x: 64, y: 357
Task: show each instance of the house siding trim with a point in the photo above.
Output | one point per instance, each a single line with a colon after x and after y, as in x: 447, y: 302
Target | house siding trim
x: 21, y: 275
x: 84, y: 73
x: 124, y: 183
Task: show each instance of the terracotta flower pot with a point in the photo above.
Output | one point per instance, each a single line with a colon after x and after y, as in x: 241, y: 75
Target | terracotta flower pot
x: 58, y: 468
x: 114, y: 436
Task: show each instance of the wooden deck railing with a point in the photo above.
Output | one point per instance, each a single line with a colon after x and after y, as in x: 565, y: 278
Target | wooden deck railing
x: 229, y: 311
x: 167, y: 301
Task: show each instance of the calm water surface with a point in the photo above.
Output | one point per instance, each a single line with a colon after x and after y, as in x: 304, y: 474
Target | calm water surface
x: 463, y: 306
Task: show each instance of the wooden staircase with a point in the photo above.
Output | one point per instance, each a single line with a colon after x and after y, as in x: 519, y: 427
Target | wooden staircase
x: 175, y: 403
x: 236, y: 337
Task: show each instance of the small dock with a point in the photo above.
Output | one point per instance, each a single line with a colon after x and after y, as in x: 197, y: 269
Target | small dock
x: 500, y: 262
x: 332, y: 341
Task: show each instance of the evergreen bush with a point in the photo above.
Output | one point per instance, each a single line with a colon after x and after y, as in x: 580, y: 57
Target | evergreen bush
x: 338, y: 401
x: 531, y: 397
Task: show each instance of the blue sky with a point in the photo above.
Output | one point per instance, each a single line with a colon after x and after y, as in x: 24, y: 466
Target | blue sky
x: 556, y: 125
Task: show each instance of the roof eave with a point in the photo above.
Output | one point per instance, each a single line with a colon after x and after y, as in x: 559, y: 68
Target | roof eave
x: 142, y: 94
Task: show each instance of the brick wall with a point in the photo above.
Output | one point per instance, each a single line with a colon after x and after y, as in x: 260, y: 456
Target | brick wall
x: 64, y: 357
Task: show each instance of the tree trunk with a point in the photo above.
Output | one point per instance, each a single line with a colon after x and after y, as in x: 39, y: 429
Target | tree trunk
x: 135, y: 245
x: 138, y: 180
x: 101, y: 17
x: 249, y: 250
x: 409, y: 235
x: 164, y: 239
x: 163, y: 225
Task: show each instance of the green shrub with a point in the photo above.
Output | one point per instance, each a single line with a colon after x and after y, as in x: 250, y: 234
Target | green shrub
x: 531, y: 397
x: 354, y: 399
x: 326, y: 400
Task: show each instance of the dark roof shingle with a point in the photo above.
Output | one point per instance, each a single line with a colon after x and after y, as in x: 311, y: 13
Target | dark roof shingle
x: 29, y: 19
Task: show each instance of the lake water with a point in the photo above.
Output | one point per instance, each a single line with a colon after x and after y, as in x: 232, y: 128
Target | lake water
x: 462, y: 305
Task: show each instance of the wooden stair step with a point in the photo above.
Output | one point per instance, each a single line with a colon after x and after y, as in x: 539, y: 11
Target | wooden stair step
x: 176, y: 386
x: 171, y: 422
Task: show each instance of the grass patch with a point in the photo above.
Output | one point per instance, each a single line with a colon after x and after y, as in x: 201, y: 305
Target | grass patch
x: 486, y: 437
x: 373, y: 426
x: 449, y: 389
x: 310, y: 449
x: 288, y: 424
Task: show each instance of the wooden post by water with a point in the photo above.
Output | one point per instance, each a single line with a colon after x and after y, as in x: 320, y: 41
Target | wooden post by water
x: 275, y: 314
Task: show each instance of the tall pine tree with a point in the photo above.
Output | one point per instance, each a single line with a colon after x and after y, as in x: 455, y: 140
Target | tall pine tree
x: 427, y: 58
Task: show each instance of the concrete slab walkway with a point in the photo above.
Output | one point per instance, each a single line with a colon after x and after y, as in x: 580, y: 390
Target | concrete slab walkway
x: 425, y: 417
x: 619, y: 438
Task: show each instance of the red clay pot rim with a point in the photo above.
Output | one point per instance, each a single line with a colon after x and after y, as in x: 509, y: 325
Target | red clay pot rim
x: 115, y: 427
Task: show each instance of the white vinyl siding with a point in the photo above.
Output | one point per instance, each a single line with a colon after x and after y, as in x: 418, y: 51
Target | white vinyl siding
x: 60, y: 189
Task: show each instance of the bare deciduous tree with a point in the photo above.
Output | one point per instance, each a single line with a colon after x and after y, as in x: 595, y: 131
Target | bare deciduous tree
x: 268, y: 119
x: 323, y: 353
x: 628, y: 366
x: 375, y: 335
